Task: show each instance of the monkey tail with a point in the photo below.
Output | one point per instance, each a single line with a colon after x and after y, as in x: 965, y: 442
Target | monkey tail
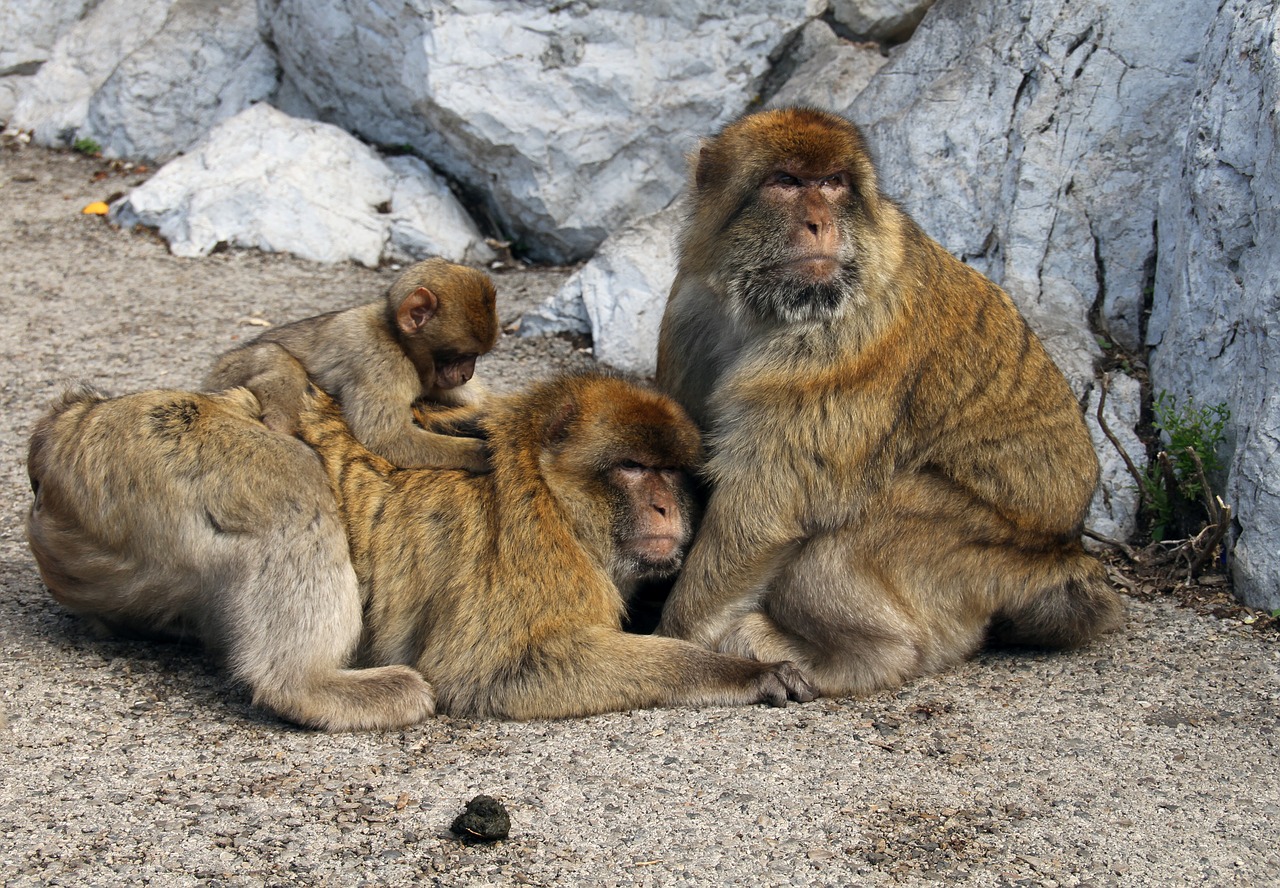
x: 1064, y: 615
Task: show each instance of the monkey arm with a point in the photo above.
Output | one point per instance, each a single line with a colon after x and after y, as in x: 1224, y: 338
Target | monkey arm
x: 464, y: 421
x: 738, y: 549
x: 377, y: 401
x: 441, y: 446
x: 788, y: 464
x: 600, y: 669
x: 695, y: 342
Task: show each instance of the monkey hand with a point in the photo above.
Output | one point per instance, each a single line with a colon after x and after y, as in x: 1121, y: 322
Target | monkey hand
x: 475, y: 456
x: 780, y: 682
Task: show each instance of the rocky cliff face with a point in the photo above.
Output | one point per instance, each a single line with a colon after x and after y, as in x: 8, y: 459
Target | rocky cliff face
x: 1214, y: 331
x: 1112, y: 165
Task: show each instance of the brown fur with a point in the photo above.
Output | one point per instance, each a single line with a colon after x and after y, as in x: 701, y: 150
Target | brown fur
x: 508, y: 589
x: 179, y: 514
x: 420, y: 341
x: 896, y: 463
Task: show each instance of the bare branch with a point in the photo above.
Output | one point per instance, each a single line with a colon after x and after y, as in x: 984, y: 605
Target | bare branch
x: 1115, y: 544
x: 1103, y: 388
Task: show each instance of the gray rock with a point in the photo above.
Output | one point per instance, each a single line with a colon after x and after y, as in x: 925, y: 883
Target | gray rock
x: 1215, y: 322
x: 28, y: 30
x: 54, y: 103
x: 618, y: 296
x: 266, y: 180
x: 891, y: 21
x: 572, y: 119
x: 427, y: 220
x: 826, y: 71
x: 206, y: 64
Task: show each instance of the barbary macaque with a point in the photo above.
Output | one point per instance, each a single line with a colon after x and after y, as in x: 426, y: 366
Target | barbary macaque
x: 348, y: 593
x: 508, y: 591
x: 377, y: 359
x: 898, y: 470
x: 180, y: 515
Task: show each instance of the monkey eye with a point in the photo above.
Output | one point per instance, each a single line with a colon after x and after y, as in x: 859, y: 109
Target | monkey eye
x: 631, y: 465
x: 839, y: 180
x: 785, y: 180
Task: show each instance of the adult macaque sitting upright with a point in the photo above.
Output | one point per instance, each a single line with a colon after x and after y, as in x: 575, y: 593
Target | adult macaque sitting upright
x: 897, y: 467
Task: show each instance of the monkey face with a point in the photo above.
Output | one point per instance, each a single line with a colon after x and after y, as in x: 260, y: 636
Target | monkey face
x: 633, y: 453
x: 653, y: 520
x: 787, y: 192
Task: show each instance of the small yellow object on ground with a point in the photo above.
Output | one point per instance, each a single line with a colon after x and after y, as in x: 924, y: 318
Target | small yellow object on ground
x: 97, y: 208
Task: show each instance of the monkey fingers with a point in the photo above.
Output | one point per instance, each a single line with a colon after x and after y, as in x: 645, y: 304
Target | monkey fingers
x: 461, y: 422
x: 786, y: 682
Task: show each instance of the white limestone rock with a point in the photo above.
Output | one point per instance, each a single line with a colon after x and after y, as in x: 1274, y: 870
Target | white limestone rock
x: 1215, y: 321
x: 266, y: 180
x: 619, y: 296
x: 28, y: 30
x: 826, y: 71
x: 427, y: 220
x: 205, y: 64
x: 889, y: 21
x: 572, y: 118
x: 54, y: 103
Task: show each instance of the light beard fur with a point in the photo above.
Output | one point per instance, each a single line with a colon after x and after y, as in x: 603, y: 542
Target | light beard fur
x: 769, y: 294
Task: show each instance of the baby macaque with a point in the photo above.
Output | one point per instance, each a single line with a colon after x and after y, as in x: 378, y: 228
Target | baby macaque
x: 377, y: 359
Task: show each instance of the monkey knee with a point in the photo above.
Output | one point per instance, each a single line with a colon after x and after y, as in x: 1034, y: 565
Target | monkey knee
x: 757, y: 637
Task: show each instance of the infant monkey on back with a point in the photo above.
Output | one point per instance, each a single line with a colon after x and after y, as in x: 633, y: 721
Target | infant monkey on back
x: 376, y: 360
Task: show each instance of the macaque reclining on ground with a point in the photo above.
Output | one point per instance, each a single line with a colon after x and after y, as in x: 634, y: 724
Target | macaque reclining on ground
x: 348, y: 593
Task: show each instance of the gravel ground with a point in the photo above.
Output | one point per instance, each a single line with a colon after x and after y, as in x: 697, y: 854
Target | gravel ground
x: 1148, y: 759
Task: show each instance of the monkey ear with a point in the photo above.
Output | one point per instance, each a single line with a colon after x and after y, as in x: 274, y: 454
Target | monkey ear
x: 418, y: 308
x: 700, y: 171
x: 558, y: 426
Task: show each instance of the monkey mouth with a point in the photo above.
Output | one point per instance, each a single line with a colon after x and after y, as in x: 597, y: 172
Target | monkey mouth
x: 657, y: 550
x: 815, y: 269
x: 783, y: 293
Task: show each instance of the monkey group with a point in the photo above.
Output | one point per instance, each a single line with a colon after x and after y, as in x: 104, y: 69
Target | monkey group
x: 894, y: 472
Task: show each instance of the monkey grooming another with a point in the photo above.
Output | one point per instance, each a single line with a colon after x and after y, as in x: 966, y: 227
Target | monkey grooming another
x: 898, y: 470
x: 421, y: 340
x: 180, y: 514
